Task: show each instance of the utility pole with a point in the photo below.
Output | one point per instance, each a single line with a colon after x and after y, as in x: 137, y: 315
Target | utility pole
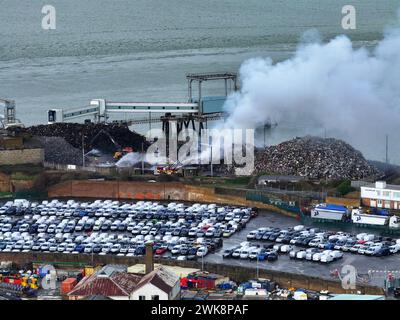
x: 387, y: 149
x: 142, y: 159
x: 212, y: 170
x: 257, y: 270
x: 150, y: 121
x: 83, y: 150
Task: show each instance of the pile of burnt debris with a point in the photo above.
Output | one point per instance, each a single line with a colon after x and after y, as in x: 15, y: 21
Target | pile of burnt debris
x: 106, y: 137
x: 315, y: 158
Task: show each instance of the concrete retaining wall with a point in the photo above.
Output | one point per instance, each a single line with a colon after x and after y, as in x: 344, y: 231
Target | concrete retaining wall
x: 19, y: 185
x: 21, y: 156
x: 236, y: 273
x: 119, y: 190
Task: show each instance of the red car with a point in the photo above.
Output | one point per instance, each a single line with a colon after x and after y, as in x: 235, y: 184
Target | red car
x: 161, y: 250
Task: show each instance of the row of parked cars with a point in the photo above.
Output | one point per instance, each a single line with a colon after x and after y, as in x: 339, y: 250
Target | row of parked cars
x: 181, y: 248
x: 251, y: 251
x: 189, y: 231
x: 197, y: 220
x: 328, y: 241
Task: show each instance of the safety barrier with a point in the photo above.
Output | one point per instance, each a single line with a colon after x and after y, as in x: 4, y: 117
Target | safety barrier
x: 276, y: 202
x: 30, y: 194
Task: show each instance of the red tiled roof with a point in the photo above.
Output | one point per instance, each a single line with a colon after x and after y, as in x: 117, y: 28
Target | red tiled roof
x: 117, y: 284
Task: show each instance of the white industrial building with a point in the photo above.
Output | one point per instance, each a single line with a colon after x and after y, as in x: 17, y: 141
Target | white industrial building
x: 381, y: 195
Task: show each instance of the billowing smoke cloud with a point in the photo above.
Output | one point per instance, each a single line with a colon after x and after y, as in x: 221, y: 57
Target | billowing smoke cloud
x: 352, y: 93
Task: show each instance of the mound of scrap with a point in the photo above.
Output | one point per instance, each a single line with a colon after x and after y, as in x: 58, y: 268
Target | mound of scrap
x: 95, y: 135
x: 314, y: 158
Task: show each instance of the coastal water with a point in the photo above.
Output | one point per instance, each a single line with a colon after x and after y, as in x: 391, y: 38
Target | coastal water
x: 140, y: 50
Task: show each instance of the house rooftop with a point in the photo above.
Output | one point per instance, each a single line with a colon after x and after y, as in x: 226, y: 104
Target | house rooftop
x: 108, y: 269
x: 140, y: 268
x: 161, y: 278
x: 109, y: 281
x: 387, y: 186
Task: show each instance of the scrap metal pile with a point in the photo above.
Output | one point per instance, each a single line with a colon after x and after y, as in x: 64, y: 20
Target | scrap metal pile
x: 63, y: 141
x: 315, y: 158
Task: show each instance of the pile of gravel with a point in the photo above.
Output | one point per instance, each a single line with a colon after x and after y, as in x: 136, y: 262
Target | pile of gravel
x: 107, y: 135
x: 315, y: 158
x: 57, y: 150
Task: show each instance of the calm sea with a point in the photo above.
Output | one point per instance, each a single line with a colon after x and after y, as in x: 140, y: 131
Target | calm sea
x: 140, y: 50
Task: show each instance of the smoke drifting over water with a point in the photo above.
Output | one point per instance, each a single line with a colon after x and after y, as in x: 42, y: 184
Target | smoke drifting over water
x: 353, y: 94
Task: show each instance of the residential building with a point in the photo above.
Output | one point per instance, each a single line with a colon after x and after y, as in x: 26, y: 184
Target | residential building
x: 114, y: 282
x: 111, y: 281
x: 160, y: 284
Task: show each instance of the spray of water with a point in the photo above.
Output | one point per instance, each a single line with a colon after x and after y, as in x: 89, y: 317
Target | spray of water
x: 130, y: 159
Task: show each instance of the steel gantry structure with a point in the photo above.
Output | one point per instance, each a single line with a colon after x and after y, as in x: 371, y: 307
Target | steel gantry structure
x: 201, y: 110
x: 9, y: 119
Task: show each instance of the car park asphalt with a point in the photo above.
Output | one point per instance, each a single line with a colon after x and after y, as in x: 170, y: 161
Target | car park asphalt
x: 375, y: 266
x: 364, y: 264
x: 177, y: 230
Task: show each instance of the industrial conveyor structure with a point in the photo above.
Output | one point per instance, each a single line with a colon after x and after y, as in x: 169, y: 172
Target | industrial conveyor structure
x: 9, y: 118
x: 194, y: 111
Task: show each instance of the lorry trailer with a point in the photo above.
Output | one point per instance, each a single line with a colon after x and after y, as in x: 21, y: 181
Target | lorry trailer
x: 329, y: 212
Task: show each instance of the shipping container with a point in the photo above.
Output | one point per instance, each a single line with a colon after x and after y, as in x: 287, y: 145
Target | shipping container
x: 67, y: 285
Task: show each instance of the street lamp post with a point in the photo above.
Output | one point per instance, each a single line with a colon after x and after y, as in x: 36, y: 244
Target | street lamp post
x: 212, y: 171
x: 142, y: 159
x: 83, y: 150
x: 257, y: 270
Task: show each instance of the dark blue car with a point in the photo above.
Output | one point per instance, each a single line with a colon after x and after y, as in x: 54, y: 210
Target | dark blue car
x: 79, y: 248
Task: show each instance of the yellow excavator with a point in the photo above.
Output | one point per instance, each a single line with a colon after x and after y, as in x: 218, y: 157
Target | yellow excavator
x: 30, y: 282
x: 119, y: 154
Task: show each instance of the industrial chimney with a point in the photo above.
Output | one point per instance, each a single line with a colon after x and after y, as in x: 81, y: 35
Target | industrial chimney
x: 148, y: 258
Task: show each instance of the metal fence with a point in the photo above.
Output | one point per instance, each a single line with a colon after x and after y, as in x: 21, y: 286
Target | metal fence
x: 276, y: 202
x: 294, y: 193
x: 30, y: 194
x: 359, y: 183
x: 69, y: 167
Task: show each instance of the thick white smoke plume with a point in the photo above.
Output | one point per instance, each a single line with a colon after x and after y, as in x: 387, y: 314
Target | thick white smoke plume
x: 352, y: 93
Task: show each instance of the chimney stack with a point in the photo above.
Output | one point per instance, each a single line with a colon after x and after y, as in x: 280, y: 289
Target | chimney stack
x: 148, y: 259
